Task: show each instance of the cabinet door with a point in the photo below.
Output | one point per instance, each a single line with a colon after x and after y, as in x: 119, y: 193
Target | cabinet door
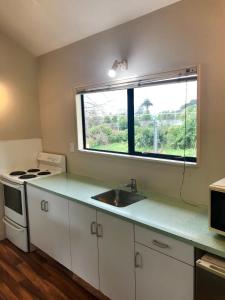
x: 49, y: 228
x: 116, y: 257
x: 160, y: 277
x: 38, y: 221
x: 84, y: 248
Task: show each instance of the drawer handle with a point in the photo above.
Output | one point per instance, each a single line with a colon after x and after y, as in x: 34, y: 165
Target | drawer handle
x: 211, y: 268
x: 160, y: 244
x: 93, y: 227
x: 138, y: 260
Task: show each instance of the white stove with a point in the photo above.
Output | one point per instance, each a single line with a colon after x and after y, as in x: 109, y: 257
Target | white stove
x: 15, y: 203
x: 47, y: 165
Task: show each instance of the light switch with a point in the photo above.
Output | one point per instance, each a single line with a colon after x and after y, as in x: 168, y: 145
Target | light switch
x: 72, y: 147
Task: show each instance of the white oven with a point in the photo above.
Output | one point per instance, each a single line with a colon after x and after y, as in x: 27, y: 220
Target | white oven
x: 15, y: 218
x: 14, y: 202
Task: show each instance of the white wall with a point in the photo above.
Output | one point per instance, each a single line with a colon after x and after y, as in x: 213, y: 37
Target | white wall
x: 17, y: 154
x: 186, y: 33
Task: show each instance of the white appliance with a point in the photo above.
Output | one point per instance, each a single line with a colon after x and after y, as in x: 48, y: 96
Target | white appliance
x: 217, y: 207
x: 15, y: 204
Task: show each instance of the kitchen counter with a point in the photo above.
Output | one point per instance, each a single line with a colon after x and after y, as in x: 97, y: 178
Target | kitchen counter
x: 168, y: 216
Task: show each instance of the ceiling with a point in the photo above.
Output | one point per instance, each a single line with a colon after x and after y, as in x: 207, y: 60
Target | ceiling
x: 45, y: 25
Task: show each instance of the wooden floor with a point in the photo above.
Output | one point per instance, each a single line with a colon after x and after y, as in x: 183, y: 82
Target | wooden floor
x: 32, y: 276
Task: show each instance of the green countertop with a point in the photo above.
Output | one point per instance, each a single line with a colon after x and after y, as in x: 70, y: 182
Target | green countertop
x: 171, y: 217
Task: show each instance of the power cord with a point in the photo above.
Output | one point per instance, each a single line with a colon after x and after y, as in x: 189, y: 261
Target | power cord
x: 185, y: 144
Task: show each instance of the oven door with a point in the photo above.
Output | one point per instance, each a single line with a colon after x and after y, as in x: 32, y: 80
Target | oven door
x: 14, y: 202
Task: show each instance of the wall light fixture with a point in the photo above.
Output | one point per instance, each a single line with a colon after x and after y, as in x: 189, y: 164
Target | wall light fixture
x: 118, y: 66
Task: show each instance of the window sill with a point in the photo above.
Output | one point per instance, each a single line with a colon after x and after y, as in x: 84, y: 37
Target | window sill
x: 142, y: 158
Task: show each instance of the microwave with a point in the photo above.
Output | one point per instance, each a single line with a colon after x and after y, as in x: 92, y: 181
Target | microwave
x: 217, y: 207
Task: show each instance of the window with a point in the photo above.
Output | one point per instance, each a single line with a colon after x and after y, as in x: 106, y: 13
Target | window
x: 150, y: 118
x: 106, y: 121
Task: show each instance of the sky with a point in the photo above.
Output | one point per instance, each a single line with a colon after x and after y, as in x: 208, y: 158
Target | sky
x: 167, y: 97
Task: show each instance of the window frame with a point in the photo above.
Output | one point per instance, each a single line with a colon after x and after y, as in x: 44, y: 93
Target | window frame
x: 131, y: 131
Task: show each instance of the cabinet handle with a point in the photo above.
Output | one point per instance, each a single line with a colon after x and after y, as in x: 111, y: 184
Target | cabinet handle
x: 46, y: 206
x: 138, y: 260
x: 43, y: 205
x: 93, y: 227
x: 99, y: 230
x: 212, y: 268
x: 160, y: 244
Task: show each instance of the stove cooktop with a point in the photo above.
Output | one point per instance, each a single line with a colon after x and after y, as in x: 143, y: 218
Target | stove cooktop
x: 31, y: 173
x: 19, y: 176
x: 47, y: 164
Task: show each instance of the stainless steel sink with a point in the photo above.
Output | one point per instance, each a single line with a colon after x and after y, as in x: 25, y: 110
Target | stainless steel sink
x: 119, y: 198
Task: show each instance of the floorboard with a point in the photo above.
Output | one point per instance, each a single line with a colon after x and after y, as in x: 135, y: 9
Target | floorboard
x: 31, y: 276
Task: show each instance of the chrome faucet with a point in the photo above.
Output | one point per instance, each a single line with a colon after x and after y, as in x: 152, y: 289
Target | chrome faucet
x: 132, y: 185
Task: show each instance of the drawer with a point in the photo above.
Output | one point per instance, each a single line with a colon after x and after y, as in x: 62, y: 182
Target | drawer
x: 16, y: 234
x: 164, y: 244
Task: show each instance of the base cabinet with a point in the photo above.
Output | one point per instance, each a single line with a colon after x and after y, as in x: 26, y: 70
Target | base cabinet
x: 102, y: 251
x: 116, y: 257
x: 49, y: 224
x: 84, y: 248
x: 160, y: 277
x: 124, y: 261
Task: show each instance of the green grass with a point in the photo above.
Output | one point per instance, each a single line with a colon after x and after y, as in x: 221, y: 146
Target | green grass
x: 117, y: 147
x: 122, y: 147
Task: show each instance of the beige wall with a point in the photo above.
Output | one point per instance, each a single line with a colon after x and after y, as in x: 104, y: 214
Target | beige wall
x: 189, y: 32
x: 19, y: 108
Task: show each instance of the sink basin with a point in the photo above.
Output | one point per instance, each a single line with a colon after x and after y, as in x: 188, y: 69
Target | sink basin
x: 118, y: 198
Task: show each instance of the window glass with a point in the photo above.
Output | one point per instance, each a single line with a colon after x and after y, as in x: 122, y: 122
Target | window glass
x: 165, y: 119
x: 13, y: 199
x: 106, y: 122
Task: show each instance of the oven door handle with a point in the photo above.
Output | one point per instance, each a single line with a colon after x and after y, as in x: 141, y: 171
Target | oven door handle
x: 11, y: 225
x: 212, y: 268
x: 12, y: 185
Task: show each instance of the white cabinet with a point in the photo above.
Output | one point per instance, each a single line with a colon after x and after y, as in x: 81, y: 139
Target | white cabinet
x: 84, y: 248
x: 165, y: 244
x: 164, y: 267
x: 116, y: 257
x: 49, y: 224
x: 102, y: 250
